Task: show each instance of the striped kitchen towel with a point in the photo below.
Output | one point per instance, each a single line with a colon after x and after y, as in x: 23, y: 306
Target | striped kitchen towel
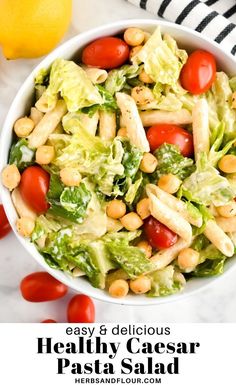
x: 215, y: 18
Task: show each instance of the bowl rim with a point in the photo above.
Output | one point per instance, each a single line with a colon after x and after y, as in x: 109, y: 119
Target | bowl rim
x: 6, y: 199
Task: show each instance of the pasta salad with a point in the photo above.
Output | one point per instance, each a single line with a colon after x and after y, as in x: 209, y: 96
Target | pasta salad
x: 124, y: 171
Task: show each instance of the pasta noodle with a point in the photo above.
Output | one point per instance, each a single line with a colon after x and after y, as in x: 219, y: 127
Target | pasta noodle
x: 36, y: 115
x: 170, y: 218
x: 201, y: 137
x: 217, y: 236
x: 175, y: 204
x: 96, y: 75
x: 164, y: 257
x: 150, y: 118
x: 107, y: 125
x: 42, y: 104
x: 132, y: 121
x: 21, y: 207
x: 90, y: 123
x: 47, y: 125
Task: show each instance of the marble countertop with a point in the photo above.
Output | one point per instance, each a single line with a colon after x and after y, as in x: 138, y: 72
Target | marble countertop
x: 215, y: 304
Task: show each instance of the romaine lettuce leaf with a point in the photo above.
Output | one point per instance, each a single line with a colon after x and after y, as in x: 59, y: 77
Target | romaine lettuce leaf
x: 73, y: 84
x: 205, y: 185
x: 210, y: 267
x: 162, y: 59
x: 171, y: 161
x: 163, y: 282
x: 117, y: 78
x: 223, y: 98
x: 108, y: 103
x: 21, y: 155
x: 216, y: 151
x: 68, y: 202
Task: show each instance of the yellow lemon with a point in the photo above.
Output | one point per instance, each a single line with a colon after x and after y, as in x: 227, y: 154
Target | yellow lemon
x: 32, y: 28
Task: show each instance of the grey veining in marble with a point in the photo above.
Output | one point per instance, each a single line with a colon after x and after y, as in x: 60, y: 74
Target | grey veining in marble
x: 215, y: 304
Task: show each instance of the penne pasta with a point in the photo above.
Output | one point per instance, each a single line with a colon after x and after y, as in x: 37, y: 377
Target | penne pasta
x: 47, y: 125
x: 175, y: 204
x: 23, y: 210
x: 96, y: 75
x: 217, y: 236
x: 201, y: 136
x: 164, y: 257
x: 170, y: 218
x: 42, y: 103
x: 150, y: 118
x: 131, y: 120
x: 36, y: 115
x: 90, y: 123
x: 228, y: 225
x: 107, y: 125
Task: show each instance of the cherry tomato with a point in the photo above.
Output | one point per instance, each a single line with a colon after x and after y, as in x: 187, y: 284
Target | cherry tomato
x: 42, y: 287
x: 159, y: 236
x: 107, y: 52
x: 199, y: 72
x: 5, y: 227
x: 49, y: 321
x: 172, y: 134
x: 81, y: 309
x: 34, y: 186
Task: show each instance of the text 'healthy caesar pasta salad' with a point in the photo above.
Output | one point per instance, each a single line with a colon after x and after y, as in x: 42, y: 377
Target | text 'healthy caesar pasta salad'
x: 125, y: 170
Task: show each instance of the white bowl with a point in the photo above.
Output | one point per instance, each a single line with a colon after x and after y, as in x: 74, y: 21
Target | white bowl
x: 186, y: 38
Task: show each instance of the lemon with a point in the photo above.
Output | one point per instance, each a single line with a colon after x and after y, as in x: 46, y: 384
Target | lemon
x: 32, y: 28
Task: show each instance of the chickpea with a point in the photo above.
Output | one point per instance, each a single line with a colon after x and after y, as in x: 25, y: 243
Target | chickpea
x: 44, y: 154
x: 134, y: 51
x: 188, y: 259
x: 11, y: 177
x: 145, y: 78
x: 227, y: 164
x: 142, y: 95
x: 70, y: 176
x: 227, y: 211
x: 119, y: 288
x: 142, y: 208
x: 134, y: 36
x: 148, y: 163
x: 146, y: 247
x: 140, y: 285
x: 25, y: 226
x: 131, y: 221
x: 116, y: 209
x: 169, y: 183
x: 23, y: 127
x: 122, y: 132
x: 234, y: 99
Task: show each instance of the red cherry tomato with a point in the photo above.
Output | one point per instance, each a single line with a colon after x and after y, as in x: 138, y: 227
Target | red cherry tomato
x: 5, y: 227
x: 42, y: 287
x: 172, y: 134
x: 107, y: 52
x: 49, y: 321
x: 199, y: 72
x: 159, y: 236
x: 34, y: 186
x: 81, y: 309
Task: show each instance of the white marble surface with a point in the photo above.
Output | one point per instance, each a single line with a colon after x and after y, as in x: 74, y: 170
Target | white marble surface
x: 215, y: 304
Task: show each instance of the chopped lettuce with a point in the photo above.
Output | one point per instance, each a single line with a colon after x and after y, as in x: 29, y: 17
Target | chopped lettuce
x: 171, y: 161
x: 68, y: 202
x: 42, y: 78
x: 216, y: 151
x: 73, y: 84
x: 223, y: 98
x: 164, y: 282
x: 205, y: 185
x: 210, y: 267
x: 21, y: 155
x: 92, y: 157
x: 133, y: 190
x: 108, y: 103
x: 162, y: 59
x: 117, y: 78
